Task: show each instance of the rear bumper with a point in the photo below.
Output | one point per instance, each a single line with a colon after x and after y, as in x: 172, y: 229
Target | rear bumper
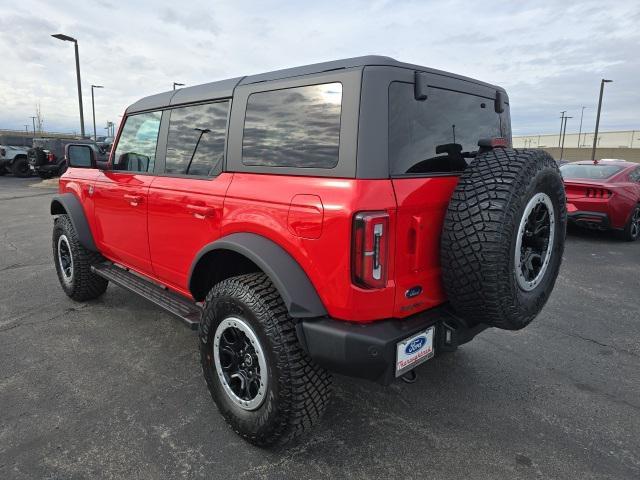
x: 592, y: 220
x: 48, y: 168
x: 369, y: 350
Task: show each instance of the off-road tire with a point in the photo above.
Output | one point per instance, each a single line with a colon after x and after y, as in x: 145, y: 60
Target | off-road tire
x: 629, y: 233
x: 480, y: 234
x: 297, y: 389
x: 84, y: 284
x: 20, y: 167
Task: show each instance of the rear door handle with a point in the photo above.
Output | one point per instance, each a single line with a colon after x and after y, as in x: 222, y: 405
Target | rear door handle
x: 201, y: 211
x: 134, y: 200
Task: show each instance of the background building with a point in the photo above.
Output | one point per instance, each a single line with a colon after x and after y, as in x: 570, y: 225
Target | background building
x: 624, y: 144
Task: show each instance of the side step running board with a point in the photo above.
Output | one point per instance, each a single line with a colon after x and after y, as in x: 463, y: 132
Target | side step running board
x: 181, y: 307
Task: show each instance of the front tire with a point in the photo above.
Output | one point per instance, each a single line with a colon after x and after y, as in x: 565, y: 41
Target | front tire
x: 262, y: 381
x: 73, y: 263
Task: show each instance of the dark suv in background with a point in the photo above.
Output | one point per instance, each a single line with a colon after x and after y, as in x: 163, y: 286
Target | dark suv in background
x: 47, y: 156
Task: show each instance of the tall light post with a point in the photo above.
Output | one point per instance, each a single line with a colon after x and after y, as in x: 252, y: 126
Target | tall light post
x: 561, y: 123
x: 595, y: 135
x: 33, y: 120
x: 564, y: 133
x: 93, y: 111
x: 67, y: 38
x: 580, y: 131
x: 176, y: 84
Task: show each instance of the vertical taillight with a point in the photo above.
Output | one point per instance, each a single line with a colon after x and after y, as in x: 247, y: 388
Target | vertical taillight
x: 51, y: 157
x: 370, y: 248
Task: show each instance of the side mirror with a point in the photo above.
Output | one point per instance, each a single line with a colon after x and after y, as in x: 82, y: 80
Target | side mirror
x: 80, y: 156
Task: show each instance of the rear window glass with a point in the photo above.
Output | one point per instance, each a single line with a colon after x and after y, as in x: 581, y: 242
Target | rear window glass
x: 593, y: 172
x: 293, y: 127
x: 441, y: 133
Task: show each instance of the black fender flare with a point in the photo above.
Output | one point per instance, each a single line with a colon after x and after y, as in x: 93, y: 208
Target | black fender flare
x: 68, y: 204
x: 298, y: 293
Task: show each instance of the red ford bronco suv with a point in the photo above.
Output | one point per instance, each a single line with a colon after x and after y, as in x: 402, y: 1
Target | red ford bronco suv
x: 356, y: 217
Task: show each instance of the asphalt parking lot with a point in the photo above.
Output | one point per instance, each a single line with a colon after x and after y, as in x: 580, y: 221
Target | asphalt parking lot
x: 113, y: 388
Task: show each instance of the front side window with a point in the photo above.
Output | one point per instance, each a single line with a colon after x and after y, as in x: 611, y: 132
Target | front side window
x: 195, y: 145
x: 441, y: 133
x: 136, y: 150
x: 293, y: 127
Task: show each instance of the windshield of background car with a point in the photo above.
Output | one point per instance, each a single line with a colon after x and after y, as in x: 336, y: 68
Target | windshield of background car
x: 441, y: 133
x: 591, y: 172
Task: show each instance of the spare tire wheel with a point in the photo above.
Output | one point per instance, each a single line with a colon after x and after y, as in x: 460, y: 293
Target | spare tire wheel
x: 503, y: 237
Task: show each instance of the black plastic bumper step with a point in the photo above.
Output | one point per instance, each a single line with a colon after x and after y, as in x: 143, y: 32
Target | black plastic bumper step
x: 181, y: 307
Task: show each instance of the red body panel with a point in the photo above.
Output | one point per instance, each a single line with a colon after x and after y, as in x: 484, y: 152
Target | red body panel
x: 625, y: 195
x: 120, y: 204
x: 422, y: 204
x: 261, y: 204
x: 157, y: 224
x: 184, y: 215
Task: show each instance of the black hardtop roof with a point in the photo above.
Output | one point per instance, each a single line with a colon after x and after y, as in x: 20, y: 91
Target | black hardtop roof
x: 224, y: 88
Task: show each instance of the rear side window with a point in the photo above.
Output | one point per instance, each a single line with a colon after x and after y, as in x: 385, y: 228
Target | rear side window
x: 591, y: 172
x: 634, y: 176
x: 195, y: 145
x: 439, y: 134
x: 136, y: 150
x: 293, y: 127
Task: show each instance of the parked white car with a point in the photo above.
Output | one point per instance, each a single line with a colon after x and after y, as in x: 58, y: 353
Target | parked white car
x: 14, y: 160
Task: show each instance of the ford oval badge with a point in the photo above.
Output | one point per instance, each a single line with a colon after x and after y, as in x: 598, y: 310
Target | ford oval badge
x: 415, y: 345
x: 413, y: 291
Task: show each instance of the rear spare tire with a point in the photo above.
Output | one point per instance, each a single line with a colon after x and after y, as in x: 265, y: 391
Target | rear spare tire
x: 503, y: 237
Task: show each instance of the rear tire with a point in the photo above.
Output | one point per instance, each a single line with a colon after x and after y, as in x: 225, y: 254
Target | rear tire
x: 73, y: 263
x: 20, y: 167
x: 503, y: 237
x: 631, y: 231
x: 289, y: 392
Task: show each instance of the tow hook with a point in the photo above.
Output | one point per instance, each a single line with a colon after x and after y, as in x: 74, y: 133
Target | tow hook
x: 410, y: 377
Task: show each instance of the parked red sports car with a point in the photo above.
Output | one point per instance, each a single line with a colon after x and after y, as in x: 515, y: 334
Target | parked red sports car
x: 604, y: 195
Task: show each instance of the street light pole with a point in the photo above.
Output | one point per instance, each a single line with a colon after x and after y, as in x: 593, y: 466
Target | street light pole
x: 93, y: 111
x: 564, y: 133
x: 176, y: 84
x: 67, y: 38
x: 580, y: 131
x: 33, y: 119
x: 561, y: 122
x: 595, y: 135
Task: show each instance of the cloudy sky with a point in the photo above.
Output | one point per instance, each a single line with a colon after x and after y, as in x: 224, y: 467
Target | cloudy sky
x: 549, y: 55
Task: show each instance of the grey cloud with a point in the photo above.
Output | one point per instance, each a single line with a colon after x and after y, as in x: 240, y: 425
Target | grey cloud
x: 194, y: 20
